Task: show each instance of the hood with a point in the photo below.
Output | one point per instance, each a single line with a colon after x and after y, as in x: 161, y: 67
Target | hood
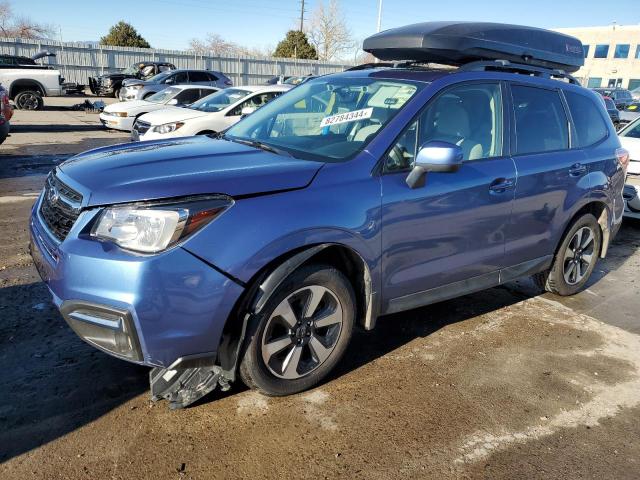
x: 126, y: 106
x: 115, y: 76
x: 184, y: 166
x: 136, y: 81
x: 172, y: 114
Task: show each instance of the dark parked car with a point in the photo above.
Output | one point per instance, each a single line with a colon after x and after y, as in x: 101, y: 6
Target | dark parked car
x: 134, y: 89
x: 110, y: 84
x: 254, y: 254
x: 620, y: 96
x: 614, y: 113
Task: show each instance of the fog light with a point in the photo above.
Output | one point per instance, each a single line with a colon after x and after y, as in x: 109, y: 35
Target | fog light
x: 104, y: 327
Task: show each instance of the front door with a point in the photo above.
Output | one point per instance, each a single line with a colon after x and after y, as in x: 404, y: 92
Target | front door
x: 447, y: 236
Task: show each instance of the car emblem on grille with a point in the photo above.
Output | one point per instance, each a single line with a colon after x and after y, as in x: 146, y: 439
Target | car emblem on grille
x: 53, y: 195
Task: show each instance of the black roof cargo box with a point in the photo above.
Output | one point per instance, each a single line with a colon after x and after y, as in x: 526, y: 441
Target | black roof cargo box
x: 457, y: 43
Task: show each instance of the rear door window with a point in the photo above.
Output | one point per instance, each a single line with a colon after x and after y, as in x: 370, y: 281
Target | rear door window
x: 589, y: 124
x: 541, y: 122
x: 198, y: 77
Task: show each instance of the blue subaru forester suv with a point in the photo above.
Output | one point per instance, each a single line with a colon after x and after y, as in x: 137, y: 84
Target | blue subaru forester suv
x: 352, y: 196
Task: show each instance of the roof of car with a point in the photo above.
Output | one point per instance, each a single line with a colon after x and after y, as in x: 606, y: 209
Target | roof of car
x: 259, y: 88
x: 194, y: 85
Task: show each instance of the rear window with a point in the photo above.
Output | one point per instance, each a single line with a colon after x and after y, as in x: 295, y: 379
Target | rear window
x: 541, y: 124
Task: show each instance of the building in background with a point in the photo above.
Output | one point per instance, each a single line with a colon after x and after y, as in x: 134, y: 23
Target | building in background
x: 612, y: 55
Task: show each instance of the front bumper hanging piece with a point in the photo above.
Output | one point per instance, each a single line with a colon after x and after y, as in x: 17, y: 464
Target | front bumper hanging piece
x: 184, y: 386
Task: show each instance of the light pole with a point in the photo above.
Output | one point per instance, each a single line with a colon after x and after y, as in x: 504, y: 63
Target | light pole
x: 379, y: 14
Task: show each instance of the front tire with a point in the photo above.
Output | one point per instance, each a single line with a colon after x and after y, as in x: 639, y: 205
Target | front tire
x: 575, y: 260
x: 29, y: 100
x: 301, y: 333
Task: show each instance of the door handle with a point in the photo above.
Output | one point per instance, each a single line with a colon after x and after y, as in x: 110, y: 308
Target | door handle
x: 500, y: 185
x: 577, y: 169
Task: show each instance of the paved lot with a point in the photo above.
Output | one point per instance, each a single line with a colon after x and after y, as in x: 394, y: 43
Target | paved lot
x: 505, y: 383
x: 58, y: 129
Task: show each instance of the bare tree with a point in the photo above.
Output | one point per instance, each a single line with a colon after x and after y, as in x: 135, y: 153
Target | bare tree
x: 21, y: 27
x: 219, y: 47
x: 328, y: 31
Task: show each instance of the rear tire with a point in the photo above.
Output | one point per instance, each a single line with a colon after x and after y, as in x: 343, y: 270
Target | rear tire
x: 575, y: 259
x: 301, y: 333
x: 29, y: 100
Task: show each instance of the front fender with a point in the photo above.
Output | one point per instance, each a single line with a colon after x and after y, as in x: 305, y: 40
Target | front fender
x: 258, y: 230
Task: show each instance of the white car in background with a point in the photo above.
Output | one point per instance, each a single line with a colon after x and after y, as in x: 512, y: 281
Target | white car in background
x: 121, y: 115
x: 630, y: 139
x: 208, y: 115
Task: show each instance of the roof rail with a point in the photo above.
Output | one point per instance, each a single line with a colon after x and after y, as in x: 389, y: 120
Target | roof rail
x: 367, y: 66
x: 507, y: 66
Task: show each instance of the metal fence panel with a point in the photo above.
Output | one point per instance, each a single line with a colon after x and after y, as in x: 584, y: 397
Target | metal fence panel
x: 79, y: 61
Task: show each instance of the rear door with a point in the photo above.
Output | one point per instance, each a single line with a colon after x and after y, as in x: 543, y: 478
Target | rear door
x: 551, y: 176
x: 447, y: 236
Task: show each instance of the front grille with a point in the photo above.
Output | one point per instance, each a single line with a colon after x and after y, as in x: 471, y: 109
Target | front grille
x: 60, y: 207
x: 141, y: 127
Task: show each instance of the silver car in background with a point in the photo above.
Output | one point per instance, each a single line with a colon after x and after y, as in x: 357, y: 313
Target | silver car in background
x: 136, y: 89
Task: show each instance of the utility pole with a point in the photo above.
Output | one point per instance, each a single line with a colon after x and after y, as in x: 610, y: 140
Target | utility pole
x: 379, y: 14
x: 302, y: 15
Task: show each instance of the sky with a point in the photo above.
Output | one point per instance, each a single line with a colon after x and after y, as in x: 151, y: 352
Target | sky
x: 171, y: 24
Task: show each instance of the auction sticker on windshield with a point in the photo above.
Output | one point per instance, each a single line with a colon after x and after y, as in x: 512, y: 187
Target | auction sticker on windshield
x: 353, y: 116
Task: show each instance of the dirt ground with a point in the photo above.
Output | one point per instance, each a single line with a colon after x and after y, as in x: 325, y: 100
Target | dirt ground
x: 506, y: 383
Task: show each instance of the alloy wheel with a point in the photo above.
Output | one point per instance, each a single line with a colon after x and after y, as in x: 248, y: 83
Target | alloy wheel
x: 302, y: 332
x: 579, y: 255
x: 28, y: 101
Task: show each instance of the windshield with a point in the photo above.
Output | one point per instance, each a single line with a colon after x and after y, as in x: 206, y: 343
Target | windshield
x: 132, y: 70
x: 632, y: 131
x: 220, y: 100
x: 160, y: 76
x: 163, y: 96
x: 295, y: 80
x: 327, y: 119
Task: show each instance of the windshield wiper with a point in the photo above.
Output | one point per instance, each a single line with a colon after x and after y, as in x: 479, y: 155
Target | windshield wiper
x: 258, y: 144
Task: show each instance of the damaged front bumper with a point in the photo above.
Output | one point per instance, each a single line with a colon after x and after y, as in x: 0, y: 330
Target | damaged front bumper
x: 154, y: 310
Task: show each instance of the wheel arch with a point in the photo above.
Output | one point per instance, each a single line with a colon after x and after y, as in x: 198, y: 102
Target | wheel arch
x: 599, y: 209
x: 22, y: 84
x: 264, y: 284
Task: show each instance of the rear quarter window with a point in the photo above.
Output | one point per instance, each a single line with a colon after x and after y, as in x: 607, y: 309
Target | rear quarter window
x: 589, y: 124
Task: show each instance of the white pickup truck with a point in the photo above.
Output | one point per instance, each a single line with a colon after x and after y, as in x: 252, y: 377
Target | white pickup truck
x: 27, y: 82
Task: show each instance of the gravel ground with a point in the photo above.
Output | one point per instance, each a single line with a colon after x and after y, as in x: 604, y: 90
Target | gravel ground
x: 506, y: 383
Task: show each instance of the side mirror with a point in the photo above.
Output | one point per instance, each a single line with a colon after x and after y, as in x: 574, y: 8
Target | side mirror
x: 247, y: 111
x: 173, y: 101
x: 434, y: 156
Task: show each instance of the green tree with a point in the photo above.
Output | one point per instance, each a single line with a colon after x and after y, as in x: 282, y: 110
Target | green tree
x: 122, y: 34
x: 296, y: 45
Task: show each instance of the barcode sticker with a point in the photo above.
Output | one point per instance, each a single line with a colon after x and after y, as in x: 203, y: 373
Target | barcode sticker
x: 353, y: 116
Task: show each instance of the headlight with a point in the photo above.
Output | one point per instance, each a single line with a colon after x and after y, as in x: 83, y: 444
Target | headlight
x: 119, y: 114
x: 154, y: 227
x: 168, y: 127
x: 134, y: 87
